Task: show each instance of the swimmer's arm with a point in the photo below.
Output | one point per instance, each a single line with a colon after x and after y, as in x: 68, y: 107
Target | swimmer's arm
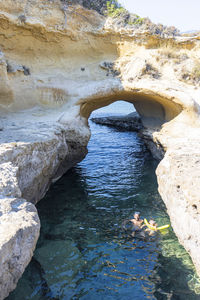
x: 132, y: 221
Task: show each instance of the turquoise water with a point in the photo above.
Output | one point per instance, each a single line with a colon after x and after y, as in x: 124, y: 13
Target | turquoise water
x: 83, y: 253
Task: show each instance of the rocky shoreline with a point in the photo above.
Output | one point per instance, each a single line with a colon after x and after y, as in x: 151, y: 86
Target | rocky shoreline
x: 28, y: 168
x: 130, y: 122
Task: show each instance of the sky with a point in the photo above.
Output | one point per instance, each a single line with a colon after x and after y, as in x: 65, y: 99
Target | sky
x: 183, y: 14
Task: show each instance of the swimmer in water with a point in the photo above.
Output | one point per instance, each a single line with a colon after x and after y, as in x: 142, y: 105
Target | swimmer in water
x: 137, y: 224
x: 153, y: 224
x: 136, y: 219
x: 154, y: 229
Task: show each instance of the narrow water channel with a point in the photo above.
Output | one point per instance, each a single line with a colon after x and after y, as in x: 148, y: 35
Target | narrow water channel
x: 82, y: 252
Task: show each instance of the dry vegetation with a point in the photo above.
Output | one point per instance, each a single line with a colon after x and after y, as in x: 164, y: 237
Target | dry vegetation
x: 149, y: 69
x: 169, y: 54
x: 192, y: 76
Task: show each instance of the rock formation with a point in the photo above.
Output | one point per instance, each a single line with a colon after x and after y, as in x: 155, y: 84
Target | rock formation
x: 58, y: 64
x: 130, y: 122
x: 19, y: 231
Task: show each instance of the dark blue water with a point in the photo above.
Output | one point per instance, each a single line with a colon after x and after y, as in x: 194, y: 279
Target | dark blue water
x: 83, y: 253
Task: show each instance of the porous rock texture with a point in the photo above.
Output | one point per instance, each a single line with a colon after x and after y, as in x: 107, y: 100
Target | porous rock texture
x: 58, y: 64
x: 19, y: 231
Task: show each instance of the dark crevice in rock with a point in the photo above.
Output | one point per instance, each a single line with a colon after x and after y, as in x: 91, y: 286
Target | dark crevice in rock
x: 26, y: 70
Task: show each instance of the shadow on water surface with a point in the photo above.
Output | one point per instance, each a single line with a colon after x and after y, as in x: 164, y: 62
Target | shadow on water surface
x: 82, y: 252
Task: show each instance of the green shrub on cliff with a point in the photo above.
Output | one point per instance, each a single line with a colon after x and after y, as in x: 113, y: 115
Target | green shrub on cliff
x: 137, y: 20
x: 122, y: 17
x: 114, y: 9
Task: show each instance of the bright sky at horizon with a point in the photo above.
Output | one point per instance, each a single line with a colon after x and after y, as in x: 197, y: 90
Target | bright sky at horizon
x: 183, y: 14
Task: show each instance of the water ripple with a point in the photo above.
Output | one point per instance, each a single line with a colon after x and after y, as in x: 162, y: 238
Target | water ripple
x: 83, y: 253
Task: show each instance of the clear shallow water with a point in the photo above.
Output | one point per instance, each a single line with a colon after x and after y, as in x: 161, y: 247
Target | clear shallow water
x: 82, y: 252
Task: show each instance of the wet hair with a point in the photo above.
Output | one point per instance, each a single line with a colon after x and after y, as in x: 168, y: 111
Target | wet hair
x: 137, y: 213
x: 152, y: 222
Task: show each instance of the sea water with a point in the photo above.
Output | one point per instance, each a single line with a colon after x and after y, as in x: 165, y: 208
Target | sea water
x: 83, y: 251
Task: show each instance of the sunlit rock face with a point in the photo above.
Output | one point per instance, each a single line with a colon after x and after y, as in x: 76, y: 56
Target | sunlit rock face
x: 58, y: 64
x: 19, y: 231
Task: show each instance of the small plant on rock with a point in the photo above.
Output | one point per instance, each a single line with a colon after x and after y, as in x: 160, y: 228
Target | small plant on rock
x: 196, y: 73
x: 135, y: 20
x: 192, y: 76
x: 114, y: 9
x: 151, y: 70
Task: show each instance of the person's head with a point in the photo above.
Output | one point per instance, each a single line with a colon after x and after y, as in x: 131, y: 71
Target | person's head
x: 152, y: 223
x: 137, y: 215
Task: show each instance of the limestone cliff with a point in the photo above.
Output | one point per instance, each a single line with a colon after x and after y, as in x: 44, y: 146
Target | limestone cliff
x: 60, y: 63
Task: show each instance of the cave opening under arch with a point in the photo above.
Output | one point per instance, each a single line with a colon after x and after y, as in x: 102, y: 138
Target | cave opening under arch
x: 154, y: 109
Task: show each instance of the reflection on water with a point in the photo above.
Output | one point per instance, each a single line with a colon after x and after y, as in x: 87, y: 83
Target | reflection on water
x: 83, y: 253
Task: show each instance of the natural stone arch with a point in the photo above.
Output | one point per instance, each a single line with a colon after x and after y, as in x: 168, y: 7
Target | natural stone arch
x: 148, y: 104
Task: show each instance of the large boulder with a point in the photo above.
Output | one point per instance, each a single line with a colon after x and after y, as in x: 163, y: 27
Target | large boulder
x: 19, y: 231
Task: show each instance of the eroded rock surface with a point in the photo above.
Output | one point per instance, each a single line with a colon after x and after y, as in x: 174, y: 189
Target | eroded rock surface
x: 179, y: 177
x: 41, y: 154
x: 19, y: 231
x: 57, y: 65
